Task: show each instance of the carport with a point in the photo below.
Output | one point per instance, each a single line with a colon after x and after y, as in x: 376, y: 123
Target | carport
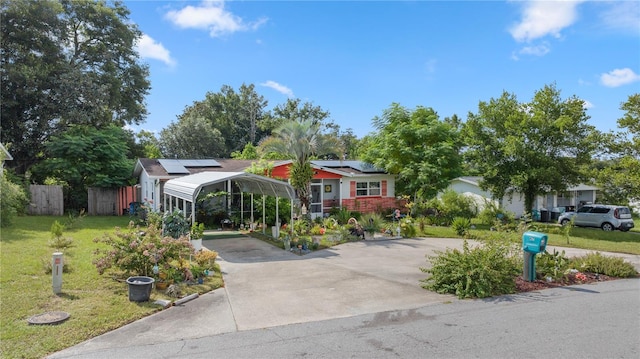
x: 183, y: 192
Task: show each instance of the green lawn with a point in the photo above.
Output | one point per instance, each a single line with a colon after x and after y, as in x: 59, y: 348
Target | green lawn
x: 96, y: 304
x: 586, y: 238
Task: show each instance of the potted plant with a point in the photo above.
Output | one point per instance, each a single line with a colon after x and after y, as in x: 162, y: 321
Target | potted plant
x: 196, y: 234
x: 371, y: 223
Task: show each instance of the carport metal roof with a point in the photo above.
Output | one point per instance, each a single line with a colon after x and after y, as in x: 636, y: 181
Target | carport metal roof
x: 188, y: 187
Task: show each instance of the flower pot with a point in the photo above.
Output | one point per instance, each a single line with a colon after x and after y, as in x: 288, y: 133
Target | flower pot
x: 197, y: 244
x: 140, y: 288
x: 161, y: 285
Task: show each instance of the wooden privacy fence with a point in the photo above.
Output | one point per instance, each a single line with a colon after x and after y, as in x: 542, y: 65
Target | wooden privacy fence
x: 46, y: 200
x: 49, y: 200
x: 110, y: 201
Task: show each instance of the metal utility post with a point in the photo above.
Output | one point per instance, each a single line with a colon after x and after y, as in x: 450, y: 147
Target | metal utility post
x: 57, y: 264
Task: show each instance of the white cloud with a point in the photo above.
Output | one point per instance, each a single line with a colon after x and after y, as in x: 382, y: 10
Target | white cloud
x: 537, y: 50
x: 211, y: 16
x: 623, y: 15
x: 619, y: 77
x: 280, y: 88
x: 150, y: 49
x: 542, y: 18
x: 588, y: 105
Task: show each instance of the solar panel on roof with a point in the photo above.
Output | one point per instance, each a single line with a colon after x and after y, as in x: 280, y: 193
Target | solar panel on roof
x: 200, y: 163
x: 356, y: 165
x: 173, y: 166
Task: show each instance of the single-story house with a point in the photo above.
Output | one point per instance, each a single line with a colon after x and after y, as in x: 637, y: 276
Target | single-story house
x: 354, y: 185
x: 574, y: 196
x: 350, y: 184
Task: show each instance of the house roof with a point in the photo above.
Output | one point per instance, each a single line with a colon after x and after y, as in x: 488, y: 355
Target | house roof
x: 189, y: 187
x: 475, y: 180
x: 7, y: 155
x: 171, y: 168
x: 346, y: 168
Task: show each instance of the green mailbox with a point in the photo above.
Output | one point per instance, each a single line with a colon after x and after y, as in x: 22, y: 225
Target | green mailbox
x: 532, y: 244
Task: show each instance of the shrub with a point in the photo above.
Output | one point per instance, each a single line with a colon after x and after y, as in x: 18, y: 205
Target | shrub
x: 372, y: 222
x: 461, y: 225
x: 492, y: 213
x: 479, y: 272
x: 58, y: 242
x: 342, y: 215
x: 135, y: 252
x: 408, y: 227
x: 552, y: 265
x: 206, y: 259
x: 611, y: 266
x: 300, y: 227
x: 175, y: 224
x: 317, y: 230
x: 12, y: 200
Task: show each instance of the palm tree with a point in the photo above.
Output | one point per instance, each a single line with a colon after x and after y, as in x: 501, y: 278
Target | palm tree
x: 299, y: 141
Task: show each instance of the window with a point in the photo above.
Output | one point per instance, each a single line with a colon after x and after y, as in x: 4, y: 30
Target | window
x: 600, y: 210
x: 585, y: 209
x: 367, y: 188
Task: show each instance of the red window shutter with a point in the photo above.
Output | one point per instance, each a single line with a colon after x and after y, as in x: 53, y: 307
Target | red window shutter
x: 352, y: 186
x: 384, y: 188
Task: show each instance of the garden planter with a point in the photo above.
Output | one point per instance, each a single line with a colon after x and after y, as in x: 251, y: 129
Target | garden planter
x: 140, y: 288
x: 197, y: 244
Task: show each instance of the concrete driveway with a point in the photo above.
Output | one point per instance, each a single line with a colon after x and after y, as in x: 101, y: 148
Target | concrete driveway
x: 267, y: 286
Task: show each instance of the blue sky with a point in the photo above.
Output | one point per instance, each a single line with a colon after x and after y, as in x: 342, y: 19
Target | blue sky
x: 355, y: 58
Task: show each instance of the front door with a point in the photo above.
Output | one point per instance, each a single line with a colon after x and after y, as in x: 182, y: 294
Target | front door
x: 316, y: 200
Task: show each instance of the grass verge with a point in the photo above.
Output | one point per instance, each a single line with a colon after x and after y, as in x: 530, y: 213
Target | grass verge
x: 96, y: 304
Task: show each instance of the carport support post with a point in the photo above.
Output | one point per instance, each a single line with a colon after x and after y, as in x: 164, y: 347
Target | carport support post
x: 251, y: 224
x: 264, y: 216
x: 277, y: 225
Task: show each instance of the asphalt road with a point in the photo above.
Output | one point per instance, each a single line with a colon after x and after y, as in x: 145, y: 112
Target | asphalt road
x: 363, y: 300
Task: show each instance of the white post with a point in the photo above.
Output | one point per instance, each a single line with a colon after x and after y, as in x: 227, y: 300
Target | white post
x: 57, y: 264
x: 264, y: 216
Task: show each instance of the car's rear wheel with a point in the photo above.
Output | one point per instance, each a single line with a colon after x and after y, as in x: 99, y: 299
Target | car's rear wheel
x: 564, y: 222
x: 608, y: 227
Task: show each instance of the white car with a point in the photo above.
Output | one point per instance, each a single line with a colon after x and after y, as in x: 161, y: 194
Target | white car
x: 603, y: 216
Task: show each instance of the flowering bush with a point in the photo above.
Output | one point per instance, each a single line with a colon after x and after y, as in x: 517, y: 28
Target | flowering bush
x: 581, y: 277
x: 206, y: 259
x: 317, y: 230
x: 407, y: 227
x: 134, y: 251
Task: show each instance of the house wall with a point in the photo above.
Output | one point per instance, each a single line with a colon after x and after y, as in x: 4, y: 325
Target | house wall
x: 150, y: 191
x: 365, y: 204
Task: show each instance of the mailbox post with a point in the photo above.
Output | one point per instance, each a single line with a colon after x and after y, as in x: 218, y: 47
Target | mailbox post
x: 532, y: 244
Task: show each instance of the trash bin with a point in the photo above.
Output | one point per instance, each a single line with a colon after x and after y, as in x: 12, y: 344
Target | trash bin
x: 544, y: 215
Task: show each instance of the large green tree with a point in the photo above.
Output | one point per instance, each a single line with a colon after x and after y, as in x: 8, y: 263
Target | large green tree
x: 237, y: 115
x: 530, y: 148
x: 85, y: 157
x: 66, y: 62
x: 618, y: 173
x: 417, y: 146
x: 192, y: 137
